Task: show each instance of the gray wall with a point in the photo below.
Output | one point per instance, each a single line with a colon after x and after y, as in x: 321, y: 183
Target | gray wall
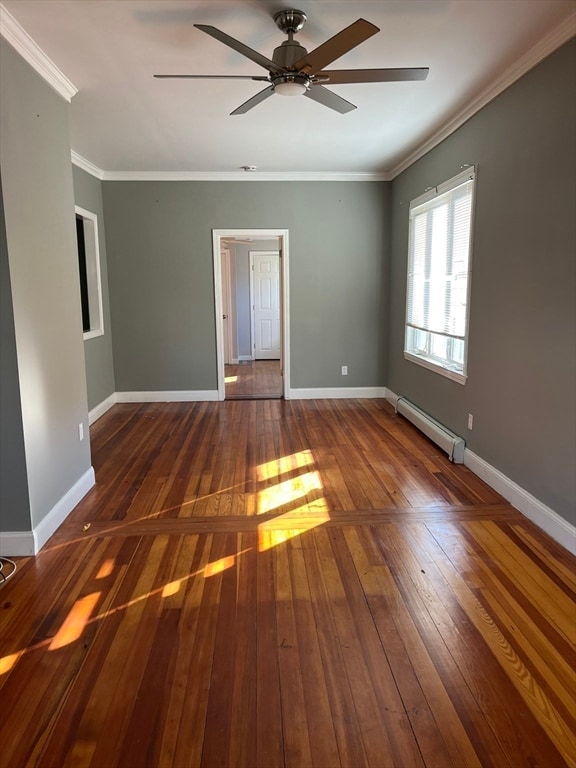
x: 41, y: 240
x: 14, y: 501
x: 97, y: 351
x: 242, y: 294
x: 521, y: 368
x: 159, y: 246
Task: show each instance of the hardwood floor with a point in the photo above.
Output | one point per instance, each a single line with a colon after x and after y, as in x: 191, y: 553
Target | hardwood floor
x: 253, y: 379
x: 286, y: 583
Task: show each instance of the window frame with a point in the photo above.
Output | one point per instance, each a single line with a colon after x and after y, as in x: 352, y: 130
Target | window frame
x: 93, y: 272
x: 438, y: 365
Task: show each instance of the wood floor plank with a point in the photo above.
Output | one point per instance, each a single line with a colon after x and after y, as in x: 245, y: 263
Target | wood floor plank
x: 552, y: 602
x: 64, y: 568
x: 115, y: 694
x: 548, y: 551
x: 50, y: 668
x: 446, y: 633
x: 221, y: 523
x: 402, y: 737
x: 196, y: 644
x: 183, y: 732
x: 61, y: 737
x: 296, y: 734
x: 344, y: 715
x: 376, y: 741
x: 323, y: 744
x: 219, y: 705
x: 441, y: 740
x: 450, y: 585
x: 555, y: 670
x: 269, y: 731
x: 242, y: 745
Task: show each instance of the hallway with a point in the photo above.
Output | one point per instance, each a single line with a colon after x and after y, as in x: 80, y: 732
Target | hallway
x: 253, y: 379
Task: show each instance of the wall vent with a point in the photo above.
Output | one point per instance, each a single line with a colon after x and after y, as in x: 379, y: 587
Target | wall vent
x: 439, y: 434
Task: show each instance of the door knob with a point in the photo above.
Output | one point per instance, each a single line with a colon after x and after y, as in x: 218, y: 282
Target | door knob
x: 224, y: 317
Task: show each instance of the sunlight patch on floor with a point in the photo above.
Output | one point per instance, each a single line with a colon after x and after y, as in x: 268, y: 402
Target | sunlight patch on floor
x: 277, y: 467
x: 7, y: 662
x: 75, y: 622
x: 277, y: 531
x: 105, y: 569
x: 172, y: 588
x: 219, y: 565
x: 285, y: 493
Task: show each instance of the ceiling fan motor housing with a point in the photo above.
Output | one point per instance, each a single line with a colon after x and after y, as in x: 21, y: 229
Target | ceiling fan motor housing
x: 285, y: 56
x: 288, y: 53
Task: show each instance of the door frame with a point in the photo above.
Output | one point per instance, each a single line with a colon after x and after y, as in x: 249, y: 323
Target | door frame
x: 283, y: 236
x: 230, y: 326
x: 252, y: 310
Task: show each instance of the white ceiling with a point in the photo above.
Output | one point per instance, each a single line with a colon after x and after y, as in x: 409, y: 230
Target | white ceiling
x: 124, y: 120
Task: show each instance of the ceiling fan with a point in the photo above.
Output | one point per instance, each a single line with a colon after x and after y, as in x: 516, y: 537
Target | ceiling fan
x: 292, y: 71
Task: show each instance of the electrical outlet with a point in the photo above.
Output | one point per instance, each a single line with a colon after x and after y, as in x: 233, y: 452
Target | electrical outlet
x: 470, y: 421
x: 344, y: 370
x: 81, y: 431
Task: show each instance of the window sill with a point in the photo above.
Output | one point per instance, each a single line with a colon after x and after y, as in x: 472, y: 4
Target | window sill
x: 93, y: 334
x: 460, y: 378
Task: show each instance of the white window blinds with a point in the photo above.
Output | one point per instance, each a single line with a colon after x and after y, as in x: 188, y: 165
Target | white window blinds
x: 439, y: 275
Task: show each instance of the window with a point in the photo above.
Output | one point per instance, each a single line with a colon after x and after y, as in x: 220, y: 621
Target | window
x: 89, y: 272
x: 439, y: 277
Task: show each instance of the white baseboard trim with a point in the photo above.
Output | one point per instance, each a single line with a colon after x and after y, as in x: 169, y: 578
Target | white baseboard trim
x: 172, y: 396
x: 392, y: 397
x: 101, y: 408
x: 24, y: 543
x: 245, y: 357
x: 62, y: 508
x: 17, y: 544
x: 544, y: 517
x: 335, y: 393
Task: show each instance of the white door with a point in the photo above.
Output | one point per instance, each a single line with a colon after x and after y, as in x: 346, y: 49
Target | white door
x: 265, y: 299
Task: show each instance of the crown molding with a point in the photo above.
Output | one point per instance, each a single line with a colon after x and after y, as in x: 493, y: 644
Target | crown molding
x: 564, y: 32
x: 99, y: 173
x: 14, y: 33
x: 241, y: 176
x: 31, y: 52
x: 87, y: 166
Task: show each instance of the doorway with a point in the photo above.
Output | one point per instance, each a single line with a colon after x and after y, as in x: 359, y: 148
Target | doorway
x: 252, y: 313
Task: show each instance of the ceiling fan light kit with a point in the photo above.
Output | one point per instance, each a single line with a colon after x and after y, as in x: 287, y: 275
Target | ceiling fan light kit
x: 292, y: 71
x: 291, y: 85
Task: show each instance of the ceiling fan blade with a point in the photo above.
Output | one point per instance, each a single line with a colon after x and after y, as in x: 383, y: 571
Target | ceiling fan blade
x: 254, y: 56
x: 254, y: 101
x: 336, y: 46
x: 263, y: 78
x: 329, y: 99
x: 340, y: 76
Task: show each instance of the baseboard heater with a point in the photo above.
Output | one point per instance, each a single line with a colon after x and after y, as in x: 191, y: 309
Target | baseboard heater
x: 448, y: 441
